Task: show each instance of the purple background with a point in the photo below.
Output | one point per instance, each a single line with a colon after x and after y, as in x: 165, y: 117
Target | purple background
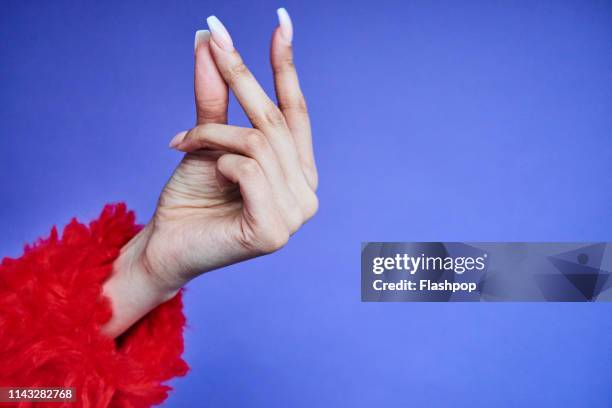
x: 471, y: 121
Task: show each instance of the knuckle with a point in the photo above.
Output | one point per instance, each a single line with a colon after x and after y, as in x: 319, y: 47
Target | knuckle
x: 211, y: 104
x: 212, y: 110
x: 248, y: 168
x: 273, y: 117
x: 256, y: 142
x: 214, y: 102
x: 284, y: 65
x: 273, y: 241
x: 294, y: 219
x: 298, y: 105
x: 237, y: 71
x: 310, y: 205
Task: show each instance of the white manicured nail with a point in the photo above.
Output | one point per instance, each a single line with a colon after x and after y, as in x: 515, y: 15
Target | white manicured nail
x: 219, y: 33
x: 201, y: 37
x: 286, y: 26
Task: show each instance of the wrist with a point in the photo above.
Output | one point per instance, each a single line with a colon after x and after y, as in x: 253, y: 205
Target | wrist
x: 159, y: 258
x: 141, y: 269
x: 134, y: 289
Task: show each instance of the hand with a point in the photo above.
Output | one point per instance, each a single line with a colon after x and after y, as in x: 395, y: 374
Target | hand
x: 238, y: 192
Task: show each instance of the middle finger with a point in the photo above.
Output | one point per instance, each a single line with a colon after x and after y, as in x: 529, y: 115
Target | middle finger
x: 261, y: 111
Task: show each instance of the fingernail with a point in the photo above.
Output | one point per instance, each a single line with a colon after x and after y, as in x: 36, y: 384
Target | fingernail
x: 201, y: 37
x: 176, y: 140
x: 286, y: 26
x: 220, y: 35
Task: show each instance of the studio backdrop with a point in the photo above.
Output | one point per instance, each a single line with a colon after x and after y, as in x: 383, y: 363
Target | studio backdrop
x: 433, y: 121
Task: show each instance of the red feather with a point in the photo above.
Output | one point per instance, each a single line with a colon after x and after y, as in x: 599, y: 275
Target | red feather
x: 51, y: 311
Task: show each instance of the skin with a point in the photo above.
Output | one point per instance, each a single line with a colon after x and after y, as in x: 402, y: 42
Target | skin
x: 238, y: 193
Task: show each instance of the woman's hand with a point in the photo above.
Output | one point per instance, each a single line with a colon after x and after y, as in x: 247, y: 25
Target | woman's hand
x: 238, y: 192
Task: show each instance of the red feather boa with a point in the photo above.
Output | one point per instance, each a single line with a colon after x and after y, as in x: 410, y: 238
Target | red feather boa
x: 51, y: 311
